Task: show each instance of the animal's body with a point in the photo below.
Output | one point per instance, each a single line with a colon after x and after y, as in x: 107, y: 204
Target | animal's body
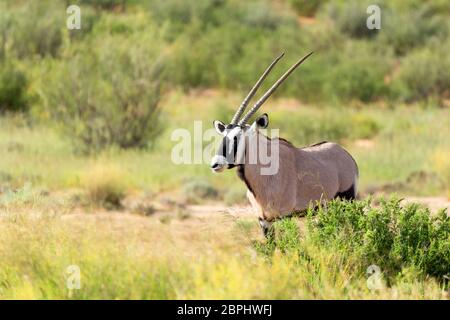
x: 302, y: 176
x: 306, y: 176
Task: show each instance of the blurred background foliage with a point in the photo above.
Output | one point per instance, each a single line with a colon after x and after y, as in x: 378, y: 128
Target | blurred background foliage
x: 225, y: 43
x: 120, y: 81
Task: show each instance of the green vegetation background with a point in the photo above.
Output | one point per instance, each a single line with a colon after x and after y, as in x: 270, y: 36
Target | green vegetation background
x: 110, y: 94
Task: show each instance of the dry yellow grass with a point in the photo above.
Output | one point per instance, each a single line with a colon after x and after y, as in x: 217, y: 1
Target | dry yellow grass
x: 440, y: 162
x: 126, y: 256
x: 105, y: 184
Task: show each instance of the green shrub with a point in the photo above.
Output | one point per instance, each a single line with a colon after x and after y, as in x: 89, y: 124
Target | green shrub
x: 13, y: 88
x: 89, y: 19
x: 424, y: 74
x: 391, y: 236
x: 35, y: 28
x: 198, y: 190
x: 401, y: 240
x: 288, y: 235
x: 224, y: 43
x: 403, y: 26
x: 306, y: 7
x: 350, y: 17
x: 408, y: 28
x: 214, y: 13
x: 285, y: 236
x: 105, y: 4
x: 359, y: 73
x: 182, y: 13
x: 111, y: 96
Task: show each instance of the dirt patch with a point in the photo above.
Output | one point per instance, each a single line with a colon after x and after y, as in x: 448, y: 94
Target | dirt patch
x: 411, y: 185
x: 306, y: 20
x: 433, y: 203
x: 364, y: 143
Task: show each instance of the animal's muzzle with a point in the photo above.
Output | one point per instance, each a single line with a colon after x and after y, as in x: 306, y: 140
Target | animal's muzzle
x: 218, y: 163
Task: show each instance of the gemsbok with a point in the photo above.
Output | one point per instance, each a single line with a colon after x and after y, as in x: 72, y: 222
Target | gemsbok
x: 302, y: 176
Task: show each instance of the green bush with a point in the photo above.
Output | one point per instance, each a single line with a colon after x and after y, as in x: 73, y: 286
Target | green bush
x: 105, y: 4
x: 306, y: 7
x: 13, y: 88
x: 213, y: 13
x: 350, y: 18
x: 285, y: 236
x: 89, y: 19
x: 198, y: 190
x: 424, y: 74
x: 111, y: 96
x: 391, y: 236
x: 359, y: 74
x: 228, y: 43
x: 398, y: 239
x: 34, y: 28
x: 409, y: 28
x: 182, y: 13
x: 403, y: 26
x: 225, y: 43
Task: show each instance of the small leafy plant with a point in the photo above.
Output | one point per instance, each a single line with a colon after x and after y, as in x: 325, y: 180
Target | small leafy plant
x: 394, y: 237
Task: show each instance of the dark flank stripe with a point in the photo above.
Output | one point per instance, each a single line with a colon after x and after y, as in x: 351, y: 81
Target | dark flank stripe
x: 348, y: 194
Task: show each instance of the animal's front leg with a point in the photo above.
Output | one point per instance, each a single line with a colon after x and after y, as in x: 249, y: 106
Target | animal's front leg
x: 266, y: 228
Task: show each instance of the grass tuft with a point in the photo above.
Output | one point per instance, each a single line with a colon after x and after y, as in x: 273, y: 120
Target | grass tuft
x: 105, y: 185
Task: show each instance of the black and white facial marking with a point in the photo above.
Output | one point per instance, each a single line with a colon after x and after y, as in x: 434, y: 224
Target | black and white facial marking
x: 231, y: 150
x: 226, y: 155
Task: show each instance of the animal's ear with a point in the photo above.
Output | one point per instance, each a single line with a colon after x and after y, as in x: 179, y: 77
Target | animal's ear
x: 219, y: 126
x: 263, y: 121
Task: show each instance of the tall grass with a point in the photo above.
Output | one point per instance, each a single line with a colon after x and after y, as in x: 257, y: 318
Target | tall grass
x: 123, y: 257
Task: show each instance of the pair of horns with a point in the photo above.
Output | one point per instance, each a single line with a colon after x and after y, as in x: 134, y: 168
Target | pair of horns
x: 266, y: 95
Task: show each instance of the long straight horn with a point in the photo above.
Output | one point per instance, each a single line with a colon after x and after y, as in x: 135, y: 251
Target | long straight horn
x: 252, y: 92
x: 259, y: 103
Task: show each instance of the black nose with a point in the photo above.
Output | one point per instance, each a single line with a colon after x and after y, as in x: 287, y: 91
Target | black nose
x: 215, y: 165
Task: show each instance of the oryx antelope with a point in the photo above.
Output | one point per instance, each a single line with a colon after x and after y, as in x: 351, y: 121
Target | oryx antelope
x: 304, y: 176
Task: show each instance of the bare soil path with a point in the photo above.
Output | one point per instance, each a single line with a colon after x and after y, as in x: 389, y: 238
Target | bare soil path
x: 433, y: 203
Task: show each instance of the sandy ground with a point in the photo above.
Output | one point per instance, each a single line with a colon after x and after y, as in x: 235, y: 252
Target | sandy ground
x: 433, y: 203
x: 241, y: 211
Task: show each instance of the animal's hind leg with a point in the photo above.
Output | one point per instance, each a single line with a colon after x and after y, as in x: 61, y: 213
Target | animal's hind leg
x: 266, y: 228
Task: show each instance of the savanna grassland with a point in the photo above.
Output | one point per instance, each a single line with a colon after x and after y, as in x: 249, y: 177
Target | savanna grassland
x: 87, y: 178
